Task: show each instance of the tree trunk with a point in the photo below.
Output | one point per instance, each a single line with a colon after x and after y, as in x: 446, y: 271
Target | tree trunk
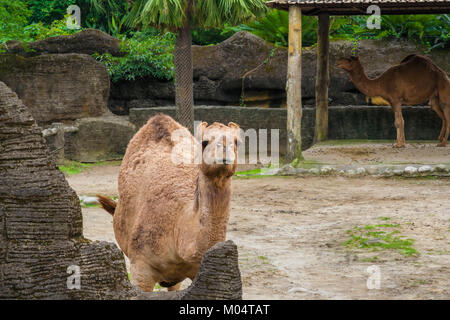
x: 294, y: 85
x: 184, y: 92
x: 322, y: 78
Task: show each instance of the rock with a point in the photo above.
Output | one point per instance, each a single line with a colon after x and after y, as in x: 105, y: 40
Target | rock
x: 372, y: 170
x: 90, y: 200
x: 99, y: 139
x: 410, y: 170
x: 286, y: 170
x: 441, y: 168
x: 218, y: 278
x: 58, y: 87
x: 361, y: 171
x: 41, y: 230
x: 301, y: 171
x: 314, y: 171
x: 351, y: 172
x: 270, y: 172
x: 388, y: 172
x: 425, y: 169
x: 327, y: 169
x: 397, y: 172
x: 88, y: 41
x: 341, y: 172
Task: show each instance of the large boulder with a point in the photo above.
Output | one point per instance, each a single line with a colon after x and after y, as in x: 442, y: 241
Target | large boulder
x: 43, y: 254
x: 219, y: 69
x: 88, y: 41
x: 58, y: 87
x: 98, y: 139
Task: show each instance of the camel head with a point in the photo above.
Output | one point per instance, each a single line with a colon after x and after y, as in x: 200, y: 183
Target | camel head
x: 348, y: 64
x: 219, y: 144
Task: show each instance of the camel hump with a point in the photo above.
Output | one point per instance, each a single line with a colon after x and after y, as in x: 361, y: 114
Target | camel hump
x: 161, y: 127
x: 407, y: 58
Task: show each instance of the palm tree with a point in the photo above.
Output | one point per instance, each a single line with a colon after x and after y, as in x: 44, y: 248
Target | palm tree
x: 181, y: 16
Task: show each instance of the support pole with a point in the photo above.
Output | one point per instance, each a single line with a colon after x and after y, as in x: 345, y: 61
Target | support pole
x: 294, y: 85
x: 322, y: 78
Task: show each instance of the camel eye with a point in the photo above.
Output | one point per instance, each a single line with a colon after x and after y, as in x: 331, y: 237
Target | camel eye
x: 204, y: 144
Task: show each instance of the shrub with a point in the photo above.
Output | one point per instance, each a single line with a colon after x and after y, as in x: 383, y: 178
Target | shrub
x: 13, y: 18
x: 146, y: 54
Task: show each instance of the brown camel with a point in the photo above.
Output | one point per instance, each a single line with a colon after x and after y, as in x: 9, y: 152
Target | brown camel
x: 170, y: 212
x: 415, y: 80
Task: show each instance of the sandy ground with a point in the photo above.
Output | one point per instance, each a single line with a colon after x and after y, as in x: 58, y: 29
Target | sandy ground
x: 377, y: 153
x: 289, y: 232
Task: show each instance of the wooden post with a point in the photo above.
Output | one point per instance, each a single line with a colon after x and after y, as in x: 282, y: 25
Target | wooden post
x: 322, y: 78
x: 294, y: 85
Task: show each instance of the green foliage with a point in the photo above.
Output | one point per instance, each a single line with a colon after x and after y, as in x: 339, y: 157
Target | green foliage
x: 47, y: 11
x: 13, y: 18
x: 206, y: 36
x: 430, y: 30
x: 147, y: 54
x: 273, y: 27
x: 172, y: 14
x: 106, y: 15
x: 38, y: 31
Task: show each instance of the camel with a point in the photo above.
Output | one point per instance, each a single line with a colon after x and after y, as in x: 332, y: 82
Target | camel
x: 415, y: 80
x: 170, y: 213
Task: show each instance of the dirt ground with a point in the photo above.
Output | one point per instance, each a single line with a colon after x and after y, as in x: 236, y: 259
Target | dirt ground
x: 335, y: 152
x: 290, y: 231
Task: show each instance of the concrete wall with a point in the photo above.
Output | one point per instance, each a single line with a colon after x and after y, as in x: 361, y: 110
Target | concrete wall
x: 345, y: 122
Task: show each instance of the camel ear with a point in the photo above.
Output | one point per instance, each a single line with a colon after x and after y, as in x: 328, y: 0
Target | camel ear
x: 236, y: 128
x: 233, y: 125
x: 199, y: 131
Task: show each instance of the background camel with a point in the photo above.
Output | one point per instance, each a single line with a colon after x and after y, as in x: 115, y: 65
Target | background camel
x: 170, y: 212
x: 414, y: 81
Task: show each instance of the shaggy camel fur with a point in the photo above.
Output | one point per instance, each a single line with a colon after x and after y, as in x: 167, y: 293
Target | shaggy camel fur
x: 414, y: 81
x: 171, y: 212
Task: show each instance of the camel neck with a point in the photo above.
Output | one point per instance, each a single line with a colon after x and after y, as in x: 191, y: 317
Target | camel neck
x: 213, y: 198
x: 369, y: 87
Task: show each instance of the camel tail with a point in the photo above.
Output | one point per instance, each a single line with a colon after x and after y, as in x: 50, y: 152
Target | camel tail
x: 108, y: 204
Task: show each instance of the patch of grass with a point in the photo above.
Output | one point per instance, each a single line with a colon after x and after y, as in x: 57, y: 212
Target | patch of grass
x: 92, y: 205
x: 371, y: 259
x: 256, y: 171
x: 75, y: 167
x: 380, y: 237
x: 158, y: 287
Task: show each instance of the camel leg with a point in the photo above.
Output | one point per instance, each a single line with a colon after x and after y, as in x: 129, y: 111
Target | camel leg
x: 447, y: 131
x: 175, y: 287
x: 141, y: 276
x: 434, y: 103
x: 400, y: 125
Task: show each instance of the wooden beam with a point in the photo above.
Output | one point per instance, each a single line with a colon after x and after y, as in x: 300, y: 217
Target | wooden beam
x: 322, y: 78
x: 294, y: 85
